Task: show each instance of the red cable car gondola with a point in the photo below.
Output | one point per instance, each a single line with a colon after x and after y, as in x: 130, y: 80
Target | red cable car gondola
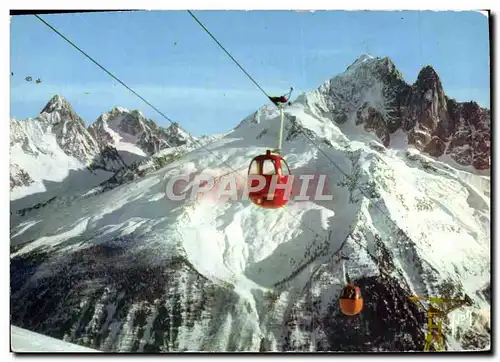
x: 269, y: 166
x: 272, y: 167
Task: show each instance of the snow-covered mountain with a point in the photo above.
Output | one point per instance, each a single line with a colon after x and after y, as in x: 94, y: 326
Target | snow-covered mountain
x: 128, y: 269
x: 55, y: 154
x: 373, y: 93
x: 134, y: 136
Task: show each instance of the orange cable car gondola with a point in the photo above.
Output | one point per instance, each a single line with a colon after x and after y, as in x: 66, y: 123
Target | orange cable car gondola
x: 350, y: 301
x: 272, y: 167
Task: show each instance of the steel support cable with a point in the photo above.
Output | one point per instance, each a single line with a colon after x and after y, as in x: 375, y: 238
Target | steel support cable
x: 229, y: 54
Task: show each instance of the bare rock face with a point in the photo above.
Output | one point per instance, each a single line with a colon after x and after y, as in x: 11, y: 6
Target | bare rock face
x: 19, y: 177
x: 373, y: 122
x: 470, y: 143
x: 435, y: 147
x: 443, y: 126
x: 418, y: 138
x: 427, y: 103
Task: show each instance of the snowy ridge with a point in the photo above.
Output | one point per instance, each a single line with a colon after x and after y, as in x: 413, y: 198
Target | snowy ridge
x: 106, y: 131
x: 131, y: 270
x: 36, y: 153
x: 134, y: 136
x: 22, y: 340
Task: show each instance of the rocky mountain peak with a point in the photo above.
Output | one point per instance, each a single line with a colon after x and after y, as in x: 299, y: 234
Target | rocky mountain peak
x: 59, y: 109
x: 118, y: 109
x: 363, y: 58
x: 428, y: 79
x: 57, y: 102
x: 120, y: 125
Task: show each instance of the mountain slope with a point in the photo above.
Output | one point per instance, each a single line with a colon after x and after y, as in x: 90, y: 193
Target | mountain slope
x: 131, y: 270
x: 26, y: 341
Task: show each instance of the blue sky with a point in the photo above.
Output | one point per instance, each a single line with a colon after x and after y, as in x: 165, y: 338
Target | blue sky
x: 168, y: 59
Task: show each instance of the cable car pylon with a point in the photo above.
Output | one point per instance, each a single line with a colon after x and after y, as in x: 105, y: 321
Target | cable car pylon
x: 345, y: 277
x: 435, y: 317
x: 281, y: 102
x: 280, y: 137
